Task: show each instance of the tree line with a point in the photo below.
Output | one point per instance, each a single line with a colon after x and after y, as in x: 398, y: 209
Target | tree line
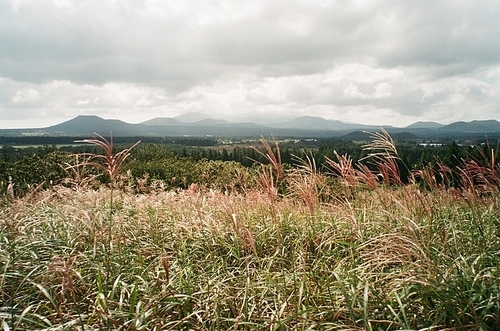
x: 179, y: 165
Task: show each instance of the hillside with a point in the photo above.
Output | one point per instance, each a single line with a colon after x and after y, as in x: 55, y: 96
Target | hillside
x: 87, y: 124
x: 318, y: 123
x: 257, y: 248
x: 473, y: 126
x: 191, y: 117
x: 162, y: 121
x: 199, y: 124
x: 425, y: 125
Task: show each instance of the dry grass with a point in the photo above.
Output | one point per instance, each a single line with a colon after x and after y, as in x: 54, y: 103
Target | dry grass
x: 270, y: 175
x: 110, y: 162
x: 209, y: 260
x: 385, y: 256
x: 306, y: 182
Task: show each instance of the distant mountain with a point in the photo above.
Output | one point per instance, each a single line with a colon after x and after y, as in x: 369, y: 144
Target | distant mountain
x: 484, y: 126
x: 261, y: 119
x: 88, y: 124
x: 192, y: 117
x: 425, y: 125
x: 211, y: 121
x: 305, y: 126
x: 318, y: 123
x: 167, y: 121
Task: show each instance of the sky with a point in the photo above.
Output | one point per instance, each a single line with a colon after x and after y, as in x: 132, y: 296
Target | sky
x: 381, y: 62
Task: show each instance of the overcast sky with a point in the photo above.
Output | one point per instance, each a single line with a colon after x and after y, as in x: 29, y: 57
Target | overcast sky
x: 390, y: 62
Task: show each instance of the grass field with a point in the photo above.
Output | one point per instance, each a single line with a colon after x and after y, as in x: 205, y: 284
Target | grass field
x: 358, y: 256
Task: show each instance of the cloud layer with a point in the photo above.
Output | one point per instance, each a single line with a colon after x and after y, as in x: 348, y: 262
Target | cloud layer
x: 377, y: 62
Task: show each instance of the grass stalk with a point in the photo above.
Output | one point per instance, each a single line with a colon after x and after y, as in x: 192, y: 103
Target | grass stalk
x: 111, y: 164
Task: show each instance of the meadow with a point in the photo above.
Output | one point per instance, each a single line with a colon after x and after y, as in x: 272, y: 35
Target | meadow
x: 351, y: 248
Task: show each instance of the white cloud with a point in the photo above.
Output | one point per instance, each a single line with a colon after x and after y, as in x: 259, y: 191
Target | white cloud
x: 394, y: 61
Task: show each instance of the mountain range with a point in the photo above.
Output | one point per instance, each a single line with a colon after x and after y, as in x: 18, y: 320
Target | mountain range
x: 199, y: 124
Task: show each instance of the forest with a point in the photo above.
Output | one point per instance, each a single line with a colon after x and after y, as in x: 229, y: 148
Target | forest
x: 180, y: 162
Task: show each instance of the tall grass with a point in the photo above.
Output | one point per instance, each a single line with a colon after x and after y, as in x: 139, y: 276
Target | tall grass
x: 386, y: 256
x: 110, y: 163
x: 270, y: 174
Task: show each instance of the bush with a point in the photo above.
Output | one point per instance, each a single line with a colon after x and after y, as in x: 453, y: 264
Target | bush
x: 35, y: 170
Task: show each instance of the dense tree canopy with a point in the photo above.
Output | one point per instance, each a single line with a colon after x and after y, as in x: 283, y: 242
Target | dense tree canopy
x: 179, y: 165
